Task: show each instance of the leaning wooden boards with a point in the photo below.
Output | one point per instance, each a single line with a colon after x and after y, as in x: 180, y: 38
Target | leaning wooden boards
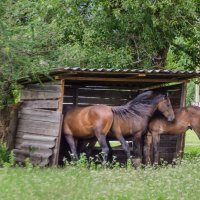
x: 39, y: 124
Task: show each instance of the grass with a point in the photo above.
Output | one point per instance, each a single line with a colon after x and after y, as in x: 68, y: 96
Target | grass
x: 177, y: 182
x: 192, y: 143
x: 181, y: 181
x: 191, y: 139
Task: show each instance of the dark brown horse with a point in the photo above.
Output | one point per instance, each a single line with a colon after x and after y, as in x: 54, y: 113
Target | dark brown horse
x: 185, y: 118
x: 98, y: 120
x: 132, y: 120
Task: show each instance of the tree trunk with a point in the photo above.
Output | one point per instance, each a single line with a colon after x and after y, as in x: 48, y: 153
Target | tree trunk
x: 4, y: 123
x: 8, y: 125
x: 159, y: 60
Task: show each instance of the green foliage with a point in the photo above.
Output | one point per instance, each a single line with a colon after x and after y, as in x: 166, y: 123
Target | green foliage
x: 7, y: 158
x: 38, y: 35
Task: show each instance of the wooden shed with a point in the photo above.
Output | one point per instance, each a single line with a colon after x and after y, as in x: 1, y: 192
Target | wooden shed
x: 40, y: 116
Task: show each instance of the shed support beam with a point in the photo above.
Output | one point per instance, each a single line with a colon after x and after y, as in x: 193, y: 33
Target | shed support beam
x: 120, y: 79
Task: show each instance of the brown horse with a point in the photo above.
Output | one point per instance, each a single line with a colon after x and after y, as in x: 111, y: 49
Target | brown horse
x: 133, y: 118
x: 185, y: 118
x: 97, y: 120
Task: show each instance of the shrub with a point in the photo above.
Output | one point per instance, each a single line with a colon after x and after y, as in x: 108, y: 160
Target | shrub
x: 6, y: 156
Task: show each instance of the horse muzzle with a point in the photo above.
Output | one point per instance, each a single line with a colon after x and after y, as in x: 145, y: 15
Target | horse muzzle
x: 170, y: 119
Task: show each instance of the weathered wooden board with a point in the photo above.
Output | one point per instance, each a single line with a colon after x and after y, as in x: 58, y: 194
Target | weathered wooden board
x: 33, y: 153
x: 39, y: 95
x: 37, y: 124
x: 45, y: 104
x: 20, y: 142
x: 44, y: 87
x: 107, y: 101
x: 40, y: 115
x: 34, y: 159
x: 167, y: 149
x: 93, y: 92
x: 39, y: 152
x: 37, y: 135
x: 56, y: 150
x: 38, y: 131
x: 41, y: 92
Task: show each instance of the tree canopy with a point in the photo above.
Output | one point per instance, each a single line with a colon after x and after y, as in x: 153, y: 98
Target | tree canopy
x: 36, y: 35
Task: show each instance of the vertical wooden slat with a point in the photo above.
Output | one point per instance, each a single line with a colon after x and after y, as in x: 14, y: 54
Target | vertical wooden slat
x: 183, y: 94
x: 76, y: 96
x: 58, y: 141
x: 181, y: 138
x: 60, y: 101
x: 57, y: 147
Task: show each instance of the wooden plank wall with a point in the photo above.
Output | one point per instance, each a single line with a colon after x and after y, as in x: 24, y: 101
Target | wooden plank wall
x: 39, y: 124
x: 118, y: 95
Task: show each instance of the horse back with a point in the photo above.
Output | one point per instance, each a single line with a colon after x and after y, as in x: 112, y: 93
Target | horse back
x: 84, y: 121
x: 127, y: 126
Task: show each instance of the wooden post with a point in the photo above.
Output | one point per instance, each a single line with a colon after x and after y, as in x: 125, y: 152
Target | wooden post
x: 60, y: 109
x: 60, y: 101
x: 197, y: 98
x: 10, y: 139
x: 197, y: 91
x: 181, y: 138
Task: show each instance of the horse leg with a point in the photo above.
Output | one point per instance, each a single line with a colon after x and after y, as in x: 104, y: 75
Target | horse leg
x: 72, y: 145
x: 110, y: 153
x: 137, y: 150
x: 156, y: 144
x: 90, y: 146
x: 103, y: 143
x: 147, y: 148
x: 125, y: 145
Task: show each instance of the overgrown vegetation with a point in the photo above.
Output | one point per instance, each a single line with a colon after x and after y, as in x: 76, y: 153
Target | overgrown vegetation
x: 6, y: 157
x: 76, y: 181
x: 38, y: 35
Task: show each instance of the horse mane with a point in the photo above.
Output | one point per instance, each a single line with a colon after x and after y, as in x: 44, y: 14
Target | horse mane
x: 137, y: 107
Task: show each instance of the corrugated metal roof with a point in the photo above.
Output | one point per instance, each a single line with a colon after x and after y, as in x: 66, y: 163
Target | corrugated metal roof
x: 116, y: 75
x: 147, y: 71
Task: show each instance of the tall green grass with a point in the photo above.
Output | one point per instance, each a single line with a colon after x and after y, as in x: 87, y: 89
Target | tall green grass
x: 180, y: 181
x: 192, y: 144
x: 77, y: 182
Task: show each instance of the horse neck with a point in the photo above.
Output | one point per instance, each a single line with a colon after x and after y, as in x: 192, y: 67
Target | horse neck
x: 151, y: 108
x: 148, y: 111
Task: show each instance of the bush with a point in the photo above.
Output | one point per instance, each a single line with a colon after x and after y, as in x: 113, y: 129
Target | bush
x: 6, y: 156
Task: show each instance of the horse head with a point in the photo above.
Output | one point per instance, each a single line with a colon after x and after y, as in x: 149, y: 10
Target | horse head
x: 165, y: 107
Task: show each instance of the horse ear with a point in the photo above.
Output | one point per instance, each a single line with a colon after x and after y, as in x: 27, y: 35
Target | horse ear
x: 167, y: 95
